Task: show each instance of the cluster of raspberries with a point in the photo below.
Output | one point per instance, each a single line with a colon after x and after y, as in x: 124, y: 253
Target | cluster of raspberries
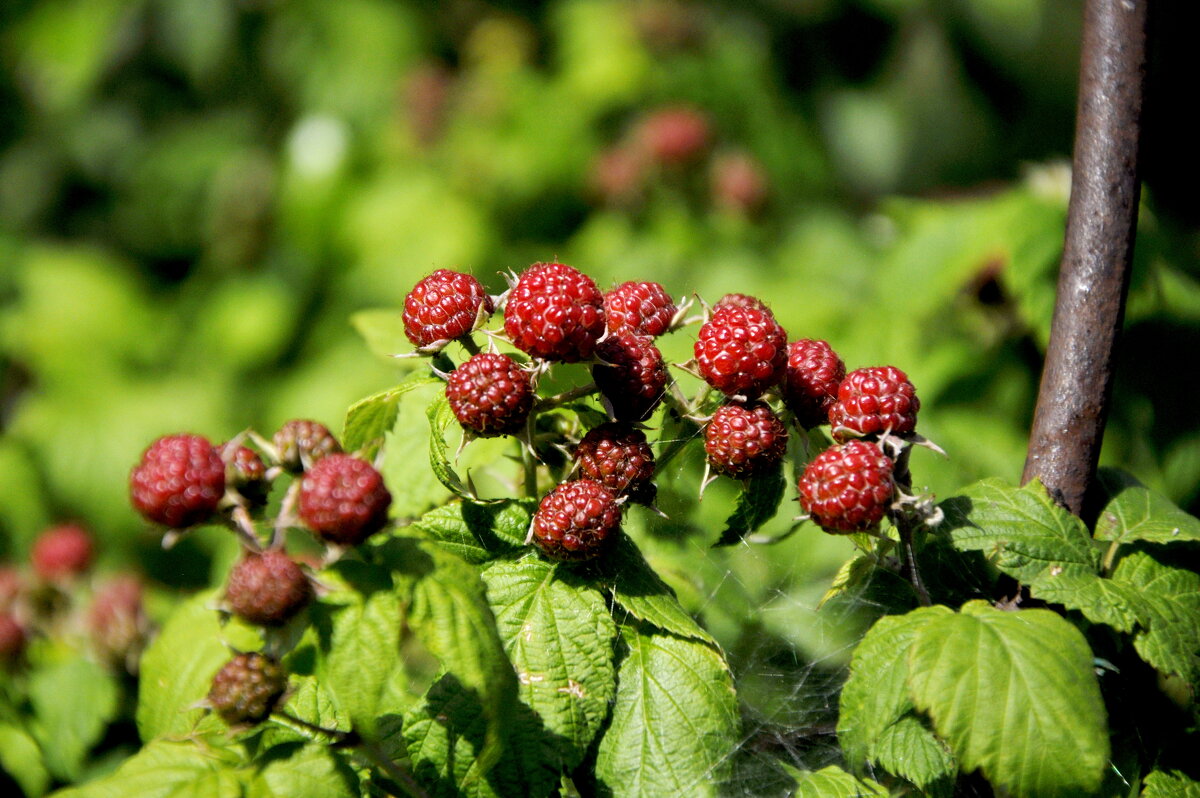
x: 553, y: 313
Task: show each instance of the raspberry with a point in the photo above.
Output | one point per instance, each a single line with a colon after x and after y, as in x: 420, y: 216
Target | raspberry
x: 872, y: 401
x: 62, y: 552
x: 343, y: 499
x: 444, y: 306
x: 635, y: 377
x: 744, y: 440
x: 179, y: 482
x: 12, y: 638
x: 810, y: 383
x: 247, y: 689
x: 674, y: 136
x: 555, y: 312
x: 618, y: 457
x: 490, y: 395
x: 640, y: 308
x: 847, y: 488
x: 618, y: 175
x: 267, y: 589
x: 117, y: 620
x: 738, y: 183
x: 302, y: 442
x: 741, y: 351
x: 246, y: 473
x: 576, y: 521
x: 741, y: 301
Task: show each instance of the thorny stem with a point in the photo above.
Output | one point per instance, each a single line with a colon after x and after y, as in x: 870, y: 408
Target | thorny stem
x: 287, y: 510
x: 578, y: 392
x: 905, y: 524
x: 528, y: 461
x: 394, y: 770
x: 243, y: 526
x: 468, y: 343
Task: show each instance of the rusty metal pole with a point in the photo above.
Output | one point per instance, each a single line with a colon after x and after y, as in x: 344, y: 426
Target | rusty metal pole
x: 1093, y: 281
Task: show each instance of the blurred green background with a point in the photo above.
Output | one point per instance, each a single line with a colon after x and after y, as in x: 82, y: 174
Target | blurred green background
x: 196, y: 197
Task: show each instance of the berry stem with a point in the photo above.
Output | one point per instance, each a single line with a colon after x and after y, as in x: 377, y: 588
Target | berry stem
x: 287, y: 513
x: 333, y: 737
x: 906, y: 524
x: 528, y: 461
x: 558, y: 400
x: 243, y: 526
x: 468, y: 343
x: 395, y: 771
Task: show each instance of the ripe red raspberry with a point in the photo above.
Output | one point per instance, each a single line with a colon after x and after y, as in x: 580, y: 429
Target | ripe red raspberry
x: 444, y: 306
x: 246, y: 473
x: 618, y: 457
x: 636, y: 377
x: 639, y: 308
x: 744, y: 440
x: 741, y: 301
x: 847, y: 488
x: 576, y: 521
x: 179, y: 481
x: 62, y: 552
x: 490, y: 395
x: 674, y: 136
x: 872, y: 401
x: 247, y: 689
x: 302, y: 442
x: 12, y: 638
x: 117, y: 621
x: 741, y: 351
x: 267, y: 589
x: 555, y: 312
x: 810, y: 383
x: 343, y: 499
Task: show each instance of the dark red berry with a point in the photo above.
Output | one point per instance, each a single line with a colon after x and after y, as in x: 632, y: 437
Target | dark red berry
x: 246, y: 473
x: 872, y: 401
x: 741, y: 351
x: 673, y: 136
x: 847, y: 488
x: 639, y: 308
x: 179, y: 481
x: 62, y: 552
x: 302, y: 442
x: 555, y: 312
x: 12, y: 638
x: 576, y: 521
x: 634, y: 378
x: 343, y: 499
x: 744, y: 440
x: 741, y: 301
x: 117, y: 620
x: 267, y: 589
x: 247, y: 689
x: 490, y: 395
x: 810, y: 383
x: 738, y: 183
x: 444, y: 306
x: 618, y: 457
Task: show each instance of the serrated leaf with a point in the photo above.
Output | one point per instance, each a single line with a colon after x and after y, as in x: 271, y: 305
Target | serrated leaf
x: 850, y: 574
x: 21, y: 759
x: 446, y: 736
x: 1134, y: 512
x: 73, y: 702
x: 358, y: 653
x: 757, y: 504
x: 165, y: 769
x: 1021, y: 530
x: 833, y: 782
x: 1170, y: 636
x: 675, y: 723
x: 310, y: 771
x: 1100, y: 600
x: 637, y: 589
x: 310, y: 702
x: 178, y: 667
x: 383, y: 331
x: 875, y: 697
x: 479, y: 532
x: 559, y: 634
x: 1014, y: 694
x: 910, y: 749
x: 440, y: 418
x: 1160, y: 784
x: 369, y: 419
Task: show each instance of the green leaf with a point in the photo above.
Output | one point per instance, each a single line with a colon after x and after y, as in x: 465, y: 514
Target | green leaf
x: 1101, y: 600
x: 358, y: 628
x: 166, y: 769
x: 1170, y: 636
x: 1134, y: 512
x: 369, y: 419
x: 440, y: 418
x: 875, y: 723
x: 833, y: 782
x: 73, y: 702
x: 383, y: 330
x: 21, y: 759
x: 178, y: 667
x: 1174, y: 784
x: 310, y: 771
x: 479, y: 532
x: 757, y: 504
x: 637, y: 589
x: 559, y: 634
x: 1020, y: 529
x: 446, y: 736
x: 675, y: 724
x: 312, y: 703
x: 1014, y: 694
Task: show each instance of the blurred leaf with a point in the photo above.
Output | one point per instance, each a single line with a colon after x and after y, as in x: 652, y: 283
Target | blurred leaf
x: 73, y: 703
x: 312, y: 771
x: 833, y: 782
x: 757, y: 503
x: 369, y: 419
x: 21, y: 759
x: 383, y: 330
x: 1173, y: 784
x: 166, y: 769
